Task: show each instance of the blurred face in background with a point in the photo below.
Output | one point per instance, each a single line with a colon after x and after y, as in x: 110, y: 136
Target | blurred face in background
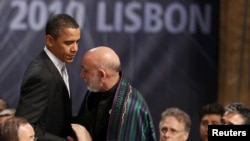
x: 26, y: 133
x: 232, y: 118
x: 208, y: 119
x: 172, y: 130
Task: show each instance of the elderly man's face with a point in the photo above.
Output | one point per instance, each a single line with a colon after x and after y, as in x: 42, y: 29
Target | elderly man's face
x: 172, y: 129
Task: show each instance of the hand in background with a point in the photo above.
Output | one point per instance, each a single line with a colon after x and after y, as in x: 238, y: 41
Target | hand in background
x: 81, y: 132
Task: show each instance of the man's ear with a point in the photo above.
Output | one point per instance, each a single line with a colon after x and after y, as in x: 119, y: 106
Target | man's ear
x: 49, y: 41
x: 101, y: 73
x: 185, y: 136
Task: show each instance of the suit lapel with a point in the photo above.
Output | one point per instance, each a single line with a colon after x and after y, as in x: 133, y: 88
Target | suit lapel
x: 55, y: 73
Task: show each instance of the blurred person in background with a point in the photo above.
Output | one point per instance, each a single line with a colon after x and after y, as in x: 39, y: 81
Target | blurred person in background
x: 174, y: 125
x: 6, y: 114
x: 210, y: 114
x: 16, y: 129
x: 236, y: 114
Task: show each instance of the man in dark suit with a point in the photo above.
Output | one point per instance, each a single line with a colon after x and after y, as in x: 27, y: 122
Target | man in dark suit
x: 45, y: 96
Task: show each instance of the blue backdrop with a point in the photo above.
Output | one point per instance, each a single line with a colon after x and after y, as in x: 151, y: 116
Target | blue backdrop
x: 168, y: 48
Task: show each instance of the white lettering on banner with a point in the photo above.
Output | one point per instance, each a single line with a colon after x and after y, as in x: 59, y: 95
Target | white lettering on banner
x: 17, y: 22
x: 38, y: 17
x: 37, y: 13
x: 195, y: 15
x: 216, y: 132
x: 55, y: 7
x: 101, y: 18
x: 79, y: 10
x: 118, y: 18
x: 152, y: 18
x: 130, y: 17
x: 171, y: 24
x: 130, y: 13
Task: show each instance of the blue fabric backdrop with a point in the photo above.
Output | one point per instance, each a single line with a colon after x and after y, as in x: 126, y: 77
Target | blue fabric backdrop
x: 168, y: 48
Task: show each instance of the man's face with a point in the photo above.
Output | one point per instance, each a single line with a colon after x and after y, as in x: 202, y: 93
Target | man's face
x: 26, y: 133
x: 94, y: 84
x: 65, y: 46
x: 231, y: 118
x: 172, y: 130
x: 91, y: 77
x: 209, y: 119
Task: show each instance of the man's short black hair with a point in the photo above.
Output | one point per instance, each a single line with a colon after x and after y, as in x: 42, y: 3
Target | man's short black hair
x: 58, y: 22
x: 212, y: 108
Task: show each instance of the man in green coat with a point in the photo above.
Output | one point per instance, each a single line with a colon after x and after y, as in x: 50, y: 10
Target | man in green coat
x: 112, y: 109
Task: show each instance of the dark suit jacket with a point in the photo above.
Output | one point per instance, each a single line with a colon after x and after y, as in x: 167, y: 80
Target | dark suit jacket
x: 44, y: 100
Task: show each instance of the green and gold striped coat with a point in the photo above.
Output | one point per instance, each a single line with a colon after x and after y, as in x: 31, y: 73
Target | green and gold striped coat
x: 130, y: 119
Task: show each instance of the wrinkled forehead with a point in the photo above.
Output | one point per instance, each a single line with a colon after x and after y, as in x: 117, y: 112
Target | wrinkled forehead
x: 171, y: 121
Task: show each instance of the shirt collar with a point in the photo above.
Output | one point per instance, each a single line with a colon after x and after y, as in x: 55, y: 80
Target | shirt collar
x: 58, y: 63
